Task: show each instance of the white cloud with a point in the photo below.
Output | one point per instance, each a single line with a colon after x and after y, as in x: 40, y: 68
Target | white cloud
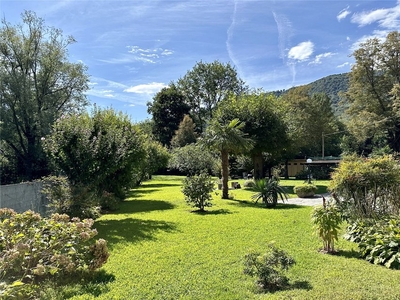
x: 319, y: 57
x: 386, y: 17
x: 149, y: 55
x: 343, y: 14
x: 148, y: 88
x: 343, y: 65
x: 302, y: 51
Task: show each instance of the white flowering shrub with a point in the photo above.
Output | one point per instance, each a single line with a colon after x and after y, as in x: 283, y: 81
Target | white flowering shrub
x: 33, y: 248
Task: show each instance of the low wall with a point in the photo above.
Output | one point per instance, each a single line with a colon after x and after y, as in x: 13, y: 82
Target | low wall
x: 22, y: 197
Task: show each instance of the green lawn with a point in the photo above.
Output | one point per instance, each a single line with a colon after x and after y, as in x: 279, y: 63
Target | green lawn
x: 160, y: 249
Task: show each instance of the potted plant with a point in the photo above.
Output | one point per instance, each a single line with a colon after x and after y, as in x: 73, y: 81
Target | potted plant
x: 268, y: 191
x: 305, y: 190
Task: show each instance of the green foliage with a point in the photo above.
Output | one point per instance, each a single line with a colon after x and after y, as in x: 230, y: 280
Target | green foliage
x: 157, y: 157
x: 193, y: 159
x: 34, y: 248
x: 197, y: 190
x: 307, y: 117
x: 269, y: 268
x: 378, y: 240
x: 268, y: 191
x: 305, y: 190
x: 372, y: 97
x: 185, y: 134
x: 327, y: 220
x: 37, y: 85
x: 262, y: 122
x: 74, y: 200
x: 103, y: 151
x: 167, y: 110
x: 226, y: 138
x: 206, y: 85
x: 367, y: 187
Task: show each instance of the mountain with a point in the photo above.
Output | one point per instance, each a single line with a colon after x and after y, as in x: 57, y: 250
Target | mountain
x: 332, y: 85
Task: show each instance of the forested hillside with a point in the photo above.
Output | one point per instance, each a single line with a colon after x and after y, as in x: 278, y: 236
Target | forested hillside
x: 332, y: 85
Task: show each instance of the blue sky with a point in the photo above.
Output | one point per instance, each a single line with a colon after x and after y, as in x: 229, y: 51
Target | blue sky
x: 134, y: 48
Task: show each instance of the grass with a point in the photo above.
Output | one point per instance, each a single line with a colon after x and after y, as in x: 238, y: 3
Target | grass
x: 161, y: 249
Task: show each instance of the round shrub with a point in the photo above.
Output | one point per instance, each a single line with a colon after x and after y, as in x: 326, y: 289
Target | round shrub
x: 249, y: 184
x: 305, y: 190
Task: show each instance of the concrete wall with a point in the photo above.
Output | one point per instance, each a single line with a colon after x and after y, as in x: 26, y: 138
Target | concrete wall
x: 22, y: 197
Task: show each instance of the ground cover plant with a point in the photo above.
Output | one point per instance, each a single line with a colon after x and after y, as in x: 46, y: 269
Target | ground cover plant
x: 160, y: 249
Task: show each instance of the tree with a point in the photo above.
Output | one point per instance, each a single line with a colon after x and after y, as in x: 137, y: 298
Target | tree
x: 37, y: 85
x: 167, y: 109
x: 193, y: 159
x: 227, y: 138
x: 102, y: 150
x: 206, y: 85
x: 308, y: 117
x: 263, y: 123
x: 185, y: 134
x: 373, y: 92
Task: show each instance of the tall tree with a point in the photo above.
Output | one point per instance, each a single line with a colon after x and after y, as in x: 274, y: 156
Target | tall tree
x: 372, y: 92
x: 206, y: 85
x: 167, y: 109
x: 37, y: 85
x: 308, y: 117
x: 263, y: 123
x: 185, y: 134
x: 227, y: 138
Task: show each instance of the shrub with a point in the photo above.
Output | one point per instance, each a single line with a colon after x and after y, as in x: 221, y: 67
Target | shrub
x: 367, y: 187
x: 249, y: 184
x: 78, y: 201
x: 268, y: 191
x: 33, y: 248
x: 378, y: 240
x: 268, y: 268
x: 197, y: 190
x: 305, y: 190
x: 327, y: 220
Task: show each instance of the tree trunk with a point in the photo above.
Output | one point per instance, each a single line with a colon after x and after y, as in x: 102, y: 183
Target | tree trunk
x: 258, y: 162
x: 225, y: 173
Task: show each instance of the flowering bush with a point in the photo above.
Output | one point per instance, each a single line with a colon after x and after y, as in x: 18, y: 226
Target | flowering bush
x: 34, y: 248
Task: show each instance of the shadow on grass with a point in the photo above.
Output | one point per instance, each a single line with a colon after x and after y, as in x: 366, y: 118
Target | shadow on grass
x: 212, y: 212
x: 158, y: 185
x: 349, y: 253
x: 137, y: 206
x: 297, y: 285
x: 137, y: 192
x: 246, y: 203
x: 130, y: 230
x: 95, y: 284
x: 300, y: 285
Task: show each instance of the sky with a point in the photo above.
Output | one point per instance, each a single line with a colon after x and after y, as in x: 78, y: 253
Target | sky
x: 135, y: 48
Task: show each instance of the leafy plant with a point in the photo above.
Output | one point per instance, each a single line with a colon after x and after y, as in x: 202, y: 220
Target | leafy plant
x: 327, y: 220
x: 305, y: 190
x: 367, y: 187
x: 78, y: 200
x: 269, y: 267
x: 197, y: 190
x: 269, y: 191
x: 378, y: 241
x: 33, y: 248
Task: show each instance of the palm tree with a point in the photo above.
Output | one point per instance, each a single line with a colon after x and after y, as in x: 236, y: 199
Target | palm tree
x: 227, y: 138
